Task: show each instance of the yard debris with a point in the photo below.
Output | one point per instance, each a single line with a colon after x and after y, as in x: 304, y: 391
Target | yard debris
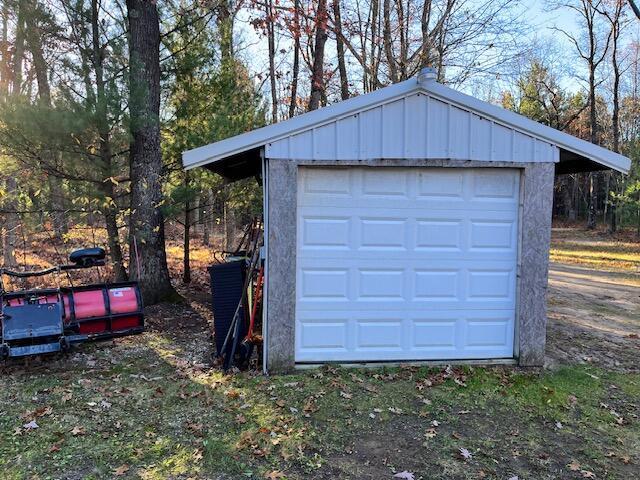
x: 405, y: 475
x: 574, y: 466
x: 32, y: 425
x: 274, y: 475
x: 121, y: 470
x: 78, y: 430
x: 465, y: 454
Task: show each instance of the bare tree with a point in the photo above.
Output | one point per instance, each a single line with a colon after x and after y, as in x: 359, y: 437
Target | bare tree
x: 342, y: 67
x: 295, y: 31
x: 592, y: 50
x: 635, y: 8
x: 147, y: 220
x: 317, y: 72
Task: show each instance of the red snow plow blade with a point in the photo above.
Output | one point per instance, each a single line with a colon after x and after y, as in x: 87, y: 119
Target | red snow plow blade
x: 49, y: 320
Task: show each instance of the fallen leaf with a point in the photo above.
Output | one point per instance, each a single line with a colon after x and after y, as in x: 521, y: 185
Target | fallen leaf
x: 78, y: 430
x: 464, y: 453
x: 32, y: 425
x: 346, y: 395
x: 54, y: 448
x: 273, y: 475
x: 405, y: 475
x: 121, y: 470
x: 587, y: 474
x: 431, y: 433
x: 574, y: 466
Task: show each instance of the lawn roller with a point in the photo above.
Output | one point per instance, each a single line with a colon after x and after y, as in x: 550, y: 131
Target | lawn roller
x: 47, y: 320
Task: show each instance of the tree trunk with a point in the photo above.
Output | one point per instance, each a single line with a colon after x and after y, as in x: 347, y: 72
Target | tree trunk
x: 387, y: 41
x: 317, y: 74
x: 342, y: 67
x: 58, y: 216
x: 11, y: 221
x: 271, y: 37
x: 147, y: 220
x: 296, y: 58
x: 229, y: 227
x: 207, y: 217
x: 111, y: 211
x: 35, y: 44
x: 186, y: 263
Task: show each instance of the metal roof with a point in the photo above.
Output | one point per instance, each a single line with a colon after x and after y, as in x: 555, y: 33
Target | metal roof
x: 241, y: 145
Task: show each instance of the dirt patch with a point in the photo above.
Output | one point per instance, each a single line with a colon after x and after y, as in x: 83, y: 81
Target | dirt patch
x: 594, y: 317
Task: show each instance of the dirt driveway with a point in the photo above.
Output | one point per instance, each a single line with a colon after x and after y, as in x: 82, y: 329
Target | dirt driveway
x: 594, y: 317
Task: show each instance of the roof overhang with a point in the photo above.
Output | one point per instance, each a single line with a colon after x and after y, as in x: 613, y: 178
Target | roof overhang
x: 238, y: 157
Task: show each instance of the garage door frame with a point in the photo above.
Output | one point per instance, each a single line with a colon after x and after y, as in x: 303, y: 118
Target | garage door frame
x: 534, y: 237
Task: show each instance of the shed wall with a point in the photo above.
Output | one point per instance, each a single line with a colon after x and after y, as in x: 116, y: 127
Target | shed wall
x: 535, y: 230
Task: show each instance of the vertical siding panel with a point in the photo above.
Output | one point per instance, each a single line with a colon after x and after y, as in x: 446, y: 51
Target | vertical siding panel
x: 347, y: 138
x: 416, y: 122
x: 371, y: 133
x: 324, y: 142
x: 459, y: 134
x: 481, y: 138
x: 393, y: 129
x: 502, y: 142
x: 278, y: 149
x: 301, y: 146
x: 449, y: 132
x: 438, y: 132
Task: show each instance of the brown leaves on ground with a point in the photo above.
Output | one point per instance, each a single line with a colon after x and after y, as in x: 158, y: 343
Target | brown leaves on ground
x: 121, y: 470
x: 78, y: 430
x: 455, y: 374
x: 274, y: 475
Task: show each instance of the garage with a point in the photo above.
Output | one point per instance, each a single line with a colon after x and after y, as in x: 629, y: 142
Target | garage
x: 406, y: 264
x: 409, y: 224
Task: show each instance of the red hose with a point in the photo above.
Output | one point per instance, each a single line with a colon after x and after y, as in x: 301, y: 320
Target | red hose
x: 256, y: 299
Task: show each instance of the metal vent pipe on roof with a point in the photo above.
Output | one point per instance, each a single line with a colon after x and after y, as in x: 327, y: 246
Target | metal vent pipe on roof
x: 426, y: 75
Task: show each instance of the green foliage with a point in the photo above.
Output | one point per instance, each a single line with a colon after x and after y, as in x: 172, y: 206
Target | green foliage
x: 208, y: 101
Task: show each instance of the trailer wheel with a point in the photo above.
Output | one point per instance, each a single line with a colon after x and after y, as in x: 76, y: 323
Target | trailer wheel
x: 4, y: 351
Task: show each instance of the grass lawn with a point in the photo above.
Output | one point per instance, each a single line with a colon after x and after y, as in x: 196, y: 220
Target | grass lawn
x: 149, y: 407
x: 142, y: 409
x: 597, y: 251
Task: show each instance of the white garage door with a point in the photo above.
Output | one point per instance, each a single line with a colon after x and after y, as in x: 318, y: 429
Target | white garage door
x: 406, y: 263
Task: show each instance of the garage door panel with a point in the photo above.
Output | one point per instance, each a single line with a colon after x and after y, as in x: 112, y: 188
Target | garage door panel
x: 406, y: 264
x: 390, y: 336
x: 359, y: 284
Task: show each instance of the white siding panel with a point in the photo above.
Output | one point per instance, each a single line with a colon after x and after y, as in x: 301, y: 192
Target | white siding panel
x: 393, y: 130
x: 416, y: 133
x: 438, y: 129
x: 324, y: 142
x: 278, y: 149
x: 480, y: 138
x: 301, y: 145
x: 417, y: 126
x: 371, y: 133
x: 502, y: 139
x: 348, y: 138
x: 523, y: 148
x: 460, y: 141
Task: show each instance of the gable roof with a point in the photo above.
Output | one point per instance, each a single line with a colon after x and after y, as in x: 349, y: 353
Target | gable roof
x: 275, y: 136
